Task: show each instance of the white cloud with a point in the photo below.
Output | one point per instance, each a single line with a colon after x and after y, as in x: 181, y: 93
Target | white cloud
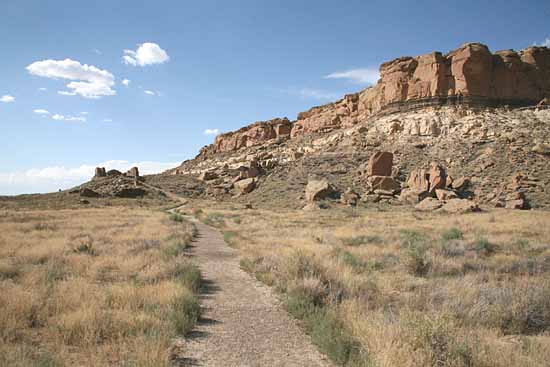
x: 40, y: 111
x: 126, y: 82
x: 211, y: 131
x: 149, y: 92
x: 147, y: 54
x: 7, y: 99
x: 59, y: 117
x: 87, y: 81
x: 42, y: 89
x: 358, y: 76
x: 546, y: 43
x: 52, y: 178
x: 96, y: 51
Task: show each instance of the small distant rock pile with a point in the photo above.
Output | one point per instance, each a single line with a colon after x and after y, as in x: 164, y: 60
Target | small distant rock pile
x: 113, y: 183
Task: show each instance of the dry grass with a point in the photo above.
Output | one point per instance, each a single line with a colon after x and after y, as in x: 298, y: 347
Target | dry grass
x: 409, y: 289
x: 93, y: 287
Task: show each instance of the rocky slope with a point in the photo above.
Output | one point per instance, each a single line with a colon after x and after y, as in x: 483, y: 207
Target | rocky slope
x: 460, y: 109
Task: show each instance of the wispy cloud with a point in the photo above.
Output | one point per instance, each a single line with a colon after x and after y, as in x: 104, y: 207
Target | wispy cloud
x: 151, y: 93
x: 41, y: 111
x: 358, y: 76
x: 87, y: 81
x: 107, y: 120
x: 96, y: 51
x: 52, y: 178
x: 211, y: 131
x: 147, y: 53
x: 545, y: 43
x: 317, y: 94
x: 126, y: 82
x: 59, y: 117
x: 42, y: 89
x: 7, y: 99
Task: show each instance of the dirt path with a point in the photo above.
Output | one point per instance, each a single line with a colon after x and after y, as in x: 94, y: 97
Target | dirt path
x: 243, y: 323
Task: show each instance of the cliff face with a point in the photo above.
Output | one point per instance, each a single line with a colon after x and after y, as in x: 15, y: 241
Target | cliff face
x: 470, y: 75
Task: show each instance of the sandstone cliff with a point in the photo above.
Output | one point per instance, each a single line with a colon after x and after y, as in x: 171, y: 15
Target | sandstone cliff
x: 470, y: 75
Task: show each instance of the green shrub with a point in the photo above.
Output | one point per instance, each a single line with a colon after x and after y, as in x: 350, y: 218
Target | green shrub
x: 229, y: 237
x: 214, y: 219
x: 185, y: 313
x: 482, y: 246
x: 452, y: 234
x: 176, y: 217
x: 412, y: 238
x: 175, y: 246
x: 361, y: 240
x: 326, y: 331
x: 416, y: 259
x: 189, y: 275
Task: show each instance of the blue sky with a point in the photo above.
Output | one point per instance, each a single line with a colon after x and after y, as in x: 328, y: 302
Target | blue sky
x: 205, y: 65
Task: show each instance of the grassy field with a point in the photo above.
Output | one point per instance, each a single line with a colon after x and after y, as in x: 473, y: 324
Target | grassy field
x: 398, y: 288
x: 94, y: 287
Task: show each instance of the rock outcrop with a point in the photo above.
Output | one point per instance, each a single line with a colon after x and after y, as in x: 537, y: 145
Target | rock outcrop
x: 255, y: 134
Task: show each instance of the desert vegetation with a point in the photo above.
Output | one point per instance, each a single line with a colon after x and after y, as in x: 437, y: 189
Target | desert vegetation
x: 397, y: 288
x: 94, y: 287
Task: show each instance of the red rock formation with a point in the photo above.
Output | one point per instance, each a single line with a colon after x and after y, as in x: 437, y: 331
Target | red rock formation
x: 255, y: 134
x: 470, y: 74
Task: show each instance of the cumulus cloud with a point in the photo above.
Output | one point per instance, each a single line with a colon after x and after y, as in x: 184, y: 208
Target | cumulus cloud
x: 40, y: 111
x: 87, y: 81
x: 146, y: 54
x: 211, y: 131
x: 358, y: 76
x: 126, y: 82
x: 7, y: 99
x: 48, y: 179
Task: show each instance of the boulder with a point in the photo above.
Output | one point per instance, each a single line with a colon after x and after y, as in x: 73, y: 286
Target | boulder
x: 460, y: 183
x: 251, y: 170
x: 443, y: 195
x: 437, y: 177
x: 88, y: 193
x: 208, y: 176
x: 245, y: 186
x: 543, y: 149
x: 318, y: 190
x: 350, y: 197
x: 516, y: 204
x: 100, y: 172
x: 418, y: 181
x: 428, y: 204
x: 456, y: 206
x: 133, y: 172
x: 380, y: 164
x: 412, y: 196
x: 383, y: 183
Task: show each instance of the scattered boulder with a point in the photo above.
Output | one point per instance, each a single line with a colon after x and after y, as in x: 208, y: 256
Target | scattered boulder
x: 245, y: 186
x: 445, y: 194
x: 543, y: 149
x: 412, y: 196
x: 515, y: 200
x: 437, y: 177
x: 208, y: 176
x: 456, y: 206
x: 460, y: 183
x: 251, y: 170
x: 383, y: 183
x: 100, y: 172
x: 88, y: 193
x: 318, y: 189
x: 133, y: 172
x: 418, y: 181
x: 428, y: 204
x: 380, y: 164
x: 84, y: 202
x: 350, y: 197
